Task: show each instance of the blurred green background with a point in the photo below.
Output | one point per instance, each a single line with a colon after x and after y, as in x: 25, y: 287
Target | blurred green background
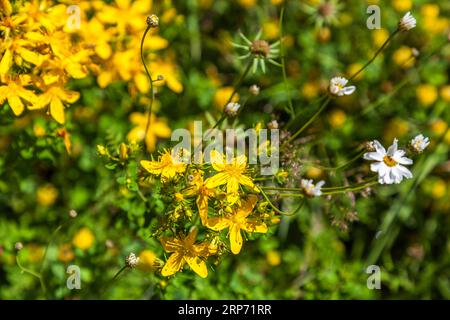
x: 317, y: 254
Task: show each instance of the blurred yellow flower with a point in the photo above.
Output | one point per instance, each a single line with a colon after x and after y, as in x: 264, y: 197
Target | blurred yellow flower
x: 403, y: 57
x: 396, y: 128
x: 427, y: 94
x: 83, y: 239
x: 247, y: 3
x: 147, y: 260
x: 14, y: 93
x: 438, y: 127
x: 271, y: 29
x: 379, y: 36
x: 445, y: 93
x: 314, y: 173
x: 277, y: 2
x: 222, y: 95
x: 354, y: 68
x: 439, y: 189
x: 169, y: 70
x: 273, y: 258
x: 402, y: 5
x: 46, y: 195
x: 56, y: 96
x: 158, y: 129
x: 430, y: 10
x: 65, y: 253
x: 337, y: 118
x: 310, y: 90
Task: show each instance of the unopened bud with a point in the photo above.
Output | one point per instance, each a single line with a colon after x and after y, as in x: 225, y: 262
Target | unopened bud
x: 273, y: 124
x: 123, y: 151
x: 18, y: 246
x: 254, y: 90
x: 232, y: 109
x: 153, y: 21
x: 73, y: 213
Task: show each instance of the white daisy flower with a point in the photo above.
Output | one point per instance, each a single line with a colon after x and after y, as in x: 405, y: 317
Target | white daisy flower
x: 131, y: 261
x: 419, y: 143
x: 390, y: 163
x: 338, y: 87
x: 407, y: 23
x: 311, y: 189
x: 232, y: 109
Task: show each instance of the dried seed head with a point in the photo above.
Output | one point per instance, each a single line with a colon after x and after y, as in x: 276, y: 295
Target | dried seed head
x: 369, y: 146
x: 153, y: 21
x: 73, y: 214
x: 131, y: 261
x: 254, y: 90
x: 273, y: 124
x: 260, y: 48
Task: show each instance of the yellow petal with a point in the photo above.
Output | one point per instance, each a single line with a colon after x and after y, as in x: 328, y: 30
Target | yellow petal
x: 218, y: 224
x: 171, y: 244
x: 246, y: 181
x: 16, y: 104
x: 232, y: 185
x: 57, y: 110
x: 247, y: 206
x: 103, y: 50
x: 255, y: 226
x: 216, y: 180
x: 142, y: 83
x: 217, y: 160
x: 174, y: 84
x: 235, y: 239
x: 104, y: 79
x: 69, y: 96
x: 5, y: 63
x: 153, y: 167
x: 161, y: 129
x: 202, y: 204
x: 173, y: 264
x: 30, y: 56
x: 198, y: 265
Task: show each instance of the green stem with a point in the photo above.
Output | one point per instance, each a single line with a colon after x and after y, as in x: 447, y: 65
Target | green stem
x: 283, y: 65
x: 311, y: 120
x: 152, y: 91
x: 391, y: 36
x: 338, y: 167
x: 33, y: 273
x: 275, y: 208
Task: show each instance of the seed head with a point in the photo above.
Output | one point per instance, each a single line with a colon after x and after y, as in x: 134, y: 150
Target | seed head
x: 153, y: 21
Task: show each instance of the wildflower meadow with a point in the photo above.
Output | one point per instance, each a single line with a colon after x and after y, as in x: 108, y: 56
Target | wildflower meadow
x: 224, y: 149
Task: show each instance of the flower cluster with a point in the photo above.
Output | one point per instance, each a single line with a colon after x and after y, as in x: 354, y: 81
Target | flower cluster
x: 202, y: 200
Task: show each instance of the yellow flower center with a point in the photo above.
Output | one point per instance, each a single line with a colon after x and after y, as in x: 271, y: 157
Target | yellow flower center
x: 389, y: 161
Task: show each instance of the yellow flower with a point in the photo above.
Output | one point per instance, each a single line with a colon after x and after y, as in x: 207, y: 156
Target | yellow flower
x: 56, y: 96
x: 247, y: 3
x: 271, y: 29
x: 427, y: 94
x: 35, y: 252
x: 273, y: 258
x: 184, y: 250
x: 147, y: 260
x: 198, y: 187
x: 380, y: 36
x: 337, y: 118
x: 168, y: 69
x: 402, y: 5
x: 232, y: 173
x: 222, y: 95
x: 310, y: 90
x: 238, y: 220
x: 157, y: 129
x: 65, y: 253
x: 396, y: 128
x: 14, y: 93
x: 439, y: 189
x: 167, y: 167
x: 83, y: 239
x: 353, y: 68
x: 445, y: 93
x: 403, y: 57
x: 47, y: 195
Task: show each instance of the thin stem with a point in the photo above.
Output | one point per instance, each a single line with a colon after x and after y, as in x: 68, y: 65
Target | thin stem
x: 283, y: 65
x: 152, y: 91
x: 391, y: 36
x: 52, y: 237
x: 338, y: 167
x: 275, y: 208
x: 311, y: 120
x: 33, y: 273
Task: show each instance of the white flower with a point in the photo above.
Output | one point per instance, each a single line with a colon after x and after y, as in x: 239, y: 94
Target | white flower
x: 338, y: 87
x: 273, y: 124
x: 232, y: 109
x: 311, y: 189
x: 390, y: 163
x: 407, y: 23
x: 419, y: 143
x: 131, y: 260
x: 254, y: 89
